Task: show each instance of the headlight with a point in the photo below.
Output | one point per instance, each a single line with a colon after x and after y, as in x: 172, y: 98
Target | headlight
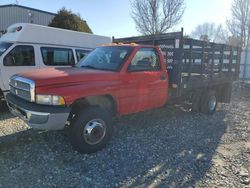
x: 50, y: 100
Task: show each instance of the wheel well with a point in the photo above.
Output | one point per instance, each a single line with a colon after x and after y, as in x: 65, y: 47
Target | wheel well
x: 103, y: 101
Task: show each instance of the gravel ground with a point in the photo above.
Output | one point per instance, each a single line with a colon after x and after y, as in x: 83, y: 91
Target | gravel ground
x: 167, y: 147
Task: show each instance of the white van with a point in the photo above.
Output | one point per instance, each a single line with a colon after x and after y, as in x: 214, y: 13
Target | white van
x: 28, y: 46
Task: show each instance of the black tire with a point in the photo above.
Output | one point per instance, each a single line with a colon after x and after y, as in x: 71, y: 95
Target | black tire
x: 209, y: 102
x: 91, y: 119
x: 196, y: 101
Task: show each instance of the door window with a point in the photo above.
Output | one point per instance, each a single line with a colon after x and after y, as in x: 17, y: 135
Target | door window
x: 21, y: 55
x: 57, y: 56
x: 145, y: 59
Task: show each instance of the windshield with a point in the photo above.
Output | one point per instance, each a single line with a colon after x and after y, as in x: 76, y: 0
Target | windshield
x: 106, y: 58
x: 4, y: 46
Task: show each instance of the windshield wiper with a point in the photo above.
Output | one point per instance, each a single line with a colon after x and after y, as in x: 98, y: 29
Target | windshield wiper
x: 89, y: 67
x: 97, y: 68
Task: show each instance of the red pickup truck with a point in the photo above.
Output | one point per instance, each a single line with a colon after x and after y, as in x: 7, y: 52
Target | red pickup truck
x: 111, y: 81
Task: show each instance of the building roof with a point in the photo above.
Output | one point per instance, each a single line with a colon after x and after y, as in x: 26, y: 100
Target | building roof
x: 20, y: 6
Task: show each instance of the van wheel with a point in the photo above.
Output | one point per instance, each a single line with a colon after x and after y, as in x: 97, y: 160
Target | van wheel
x: 91, y: 129
x: 209, y: 102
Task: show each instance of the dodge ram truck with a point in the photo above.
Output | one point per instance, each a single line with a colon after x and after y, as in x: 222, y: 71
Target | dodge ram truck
x: 120, y: 79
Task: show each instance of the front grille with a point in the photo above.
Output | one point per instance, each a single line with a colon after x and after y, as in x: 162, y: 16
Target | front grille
x: 23, y: 88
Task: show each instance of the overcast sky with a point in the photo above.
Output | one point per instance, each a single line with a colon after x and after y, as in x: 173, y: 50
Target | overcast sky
x: 112, y: 17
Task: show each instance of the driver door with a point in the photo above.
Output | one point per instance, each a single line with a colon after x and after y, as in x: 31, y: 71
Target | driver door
x: 145, y: 83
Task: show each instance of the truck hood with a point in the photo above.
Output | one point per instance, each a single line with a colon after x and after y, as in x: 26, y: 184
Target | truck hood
x: 67, y: 75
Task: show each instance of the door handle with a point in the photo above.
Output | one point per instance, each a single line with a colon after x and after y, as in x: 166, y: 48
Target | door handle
x: 163, y: 77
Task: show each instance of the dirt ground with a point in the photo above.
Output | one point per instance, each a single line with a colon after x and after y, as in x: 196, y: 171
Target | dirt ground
x: 167, y: 147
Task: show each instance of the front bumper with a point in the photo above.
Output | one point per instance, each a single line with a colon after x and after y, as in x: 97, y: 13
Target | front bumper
x: 38, y: 116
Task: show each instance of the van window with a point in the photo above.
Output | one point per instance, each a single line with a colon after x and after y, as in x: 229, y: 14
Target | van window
x: 21, y: 55
x: 4, y: 46
x: 57, y: 56
x: 81, y: 54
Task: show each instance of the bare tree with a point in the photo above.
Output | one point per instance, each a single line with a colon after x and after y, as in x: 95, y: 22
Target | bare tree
x: 156, y: 16
x: 234, y: 41
x: 239, y: 24
x: 210, y: 32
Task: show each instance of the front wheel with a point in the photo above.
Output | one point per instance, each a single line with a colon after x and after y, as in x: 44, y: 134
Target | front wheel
x: 91, y: 129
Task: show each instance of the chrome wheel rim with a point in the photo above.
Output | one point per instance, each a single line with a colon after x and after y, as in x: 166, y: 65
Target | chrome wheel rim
x: 212, y: 103
x: 94, y: 131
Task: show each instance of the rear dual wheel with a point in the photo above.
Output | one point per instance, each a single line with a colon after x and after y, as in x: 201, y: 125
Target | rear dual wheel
x: 205, y: 102
x: 209, y: 102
